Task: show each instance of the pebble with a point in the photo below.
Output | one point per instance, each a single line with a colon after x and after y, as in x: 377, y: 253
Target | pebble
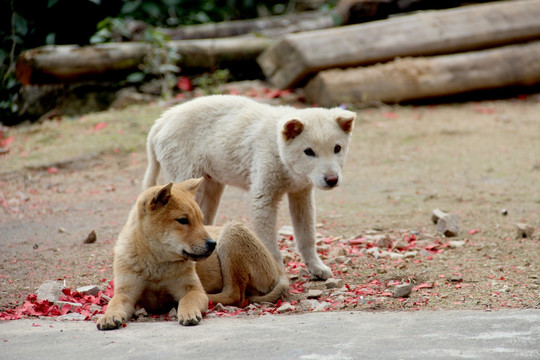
x: 88, y: 290
x: 71, y: 317
x: 285, y: 308
x: 524, y: 230
x: 333, y: 283
x: 402, y: 290
x: 91, y: 238
x: 61, y: 304
x: 314, y: 294
x: 50, y: 290
x: 142, y: 312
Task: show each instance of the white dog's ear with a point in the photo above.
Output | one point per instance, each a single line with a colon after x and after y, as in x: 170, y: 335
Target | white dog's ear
x: 292, y: 129
x: 346, y: 121
x: 162, y: 197
x: 191, y: 185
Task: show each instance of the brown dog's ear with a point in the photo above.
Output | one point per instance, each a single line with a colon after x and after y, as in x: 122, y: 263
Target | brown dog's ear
x: 162, y: 197
x: 292, y: 129
x: 191, y: 185
x: 346, y: 122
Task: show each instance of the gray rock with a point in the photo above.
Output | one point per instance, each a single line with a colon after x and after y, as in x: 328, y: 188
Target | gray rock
x: 88, y: 290
x: 524, y: 230
x: 50, y: 290
x: 333, y: 283
x: 285, y: 308
x: 71, y: 317
x: 314, y: 294
x: 402, y: 290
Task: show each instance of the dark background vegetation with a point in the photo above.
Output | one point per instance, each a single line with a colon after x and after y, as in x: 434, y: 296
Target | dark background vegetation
x: 27, y: 24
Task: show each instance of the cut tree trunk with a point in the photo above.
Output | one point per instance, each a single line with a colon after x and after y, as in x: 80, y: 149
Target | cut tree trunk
x: 424, y: 77
x: 273, y: 26
x: 71, y: 63
x: 297, y: 56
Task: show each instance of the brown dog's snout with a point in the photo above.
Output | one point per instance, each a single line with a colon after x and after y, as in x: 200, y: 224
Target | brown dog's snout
x: 210, y: 245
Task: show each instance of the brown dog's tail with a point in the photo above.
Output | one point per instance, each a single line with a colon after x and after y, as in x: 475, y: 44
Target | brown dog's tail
x: 153, y: 168
x: 280, y: 289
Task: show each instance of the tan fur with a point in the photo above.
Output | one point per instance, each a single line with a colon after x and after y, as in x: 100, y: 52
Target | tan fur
x: 164, y: 248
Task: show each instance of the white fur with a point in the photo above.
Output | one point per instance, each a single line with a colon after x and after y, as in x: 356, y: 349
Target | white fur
x: 233, y: 140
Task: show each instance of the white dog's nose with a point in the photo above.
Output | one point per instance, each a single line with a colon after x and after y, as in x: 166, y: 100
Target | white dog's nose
x: 331, y: 180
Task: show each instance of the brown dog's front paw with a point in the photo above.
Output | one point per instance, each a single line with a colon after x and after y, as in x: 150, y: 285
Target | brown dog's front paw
x: 189, y: 318
x: 110, y: 321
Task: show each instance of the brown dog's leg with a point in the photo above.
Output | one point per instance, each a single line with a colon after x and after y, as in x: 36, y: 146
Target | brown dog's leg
x: 191, y: 306
x: 121, y: 306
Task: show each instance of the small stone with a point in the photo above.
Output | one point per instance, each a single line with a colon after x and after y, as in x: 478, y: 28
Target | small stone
x: 71, y: 317
x: 438, y: 214
x: 321, y: 306
x: 61, y: 230
x: 504, y: 212
x: 91, y: 238
x: 402, y: 290
x: 142, y: 312
x: 314, y: 294
x: 337, y: 251
x: 285, y: 307
x: 448, y: 226
x: 410, y: 254
x: 336, y: 260
x: 401, y: 244
x: 89, y: 290
x: 456, y: 244
x: 383, y: 241
x: 50, y: 290
x: 524, y: 230
x: 396, y: 256
x: 333, y: 283
x: 172, y: 314
x: 61, y: 304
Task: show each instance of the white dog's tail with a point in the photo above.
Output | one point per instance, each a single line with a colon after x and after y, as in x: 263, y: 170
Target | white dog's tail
x: 152, y: 170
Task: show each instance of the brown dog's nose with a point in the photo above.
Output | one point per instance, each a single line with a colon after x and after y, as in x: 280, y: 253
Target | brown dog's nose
x: 210, y: 244
x: 331, y: 180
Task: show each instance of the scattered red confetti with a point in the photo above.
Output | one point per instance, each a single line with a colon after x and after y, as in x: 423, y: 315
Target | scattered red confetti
x: 52, y: 170
x: 100, y: 126
x: 184, y: 84
x: 474, y: 231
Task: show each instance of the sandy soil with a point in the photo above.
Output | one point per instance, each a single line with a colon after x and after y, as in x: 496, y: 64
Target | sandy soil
x: 477, y: 160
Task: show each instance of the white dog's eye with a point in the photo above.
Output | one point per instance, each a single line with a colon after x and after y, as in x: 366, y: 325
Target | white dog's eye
x: 309, y: 152
x: 183, y: 220
x: 337, y: 149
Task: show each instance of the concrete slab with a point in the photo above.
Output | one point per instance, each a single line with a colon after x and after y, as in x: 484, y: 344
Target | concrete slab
x: 505, y: 334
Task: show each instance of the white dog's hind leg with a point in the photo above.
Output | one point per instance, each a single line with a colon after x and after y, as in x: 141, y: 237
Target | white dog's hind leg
x: 208, y: 197
x: 302, y: 209
x: 264, y: 214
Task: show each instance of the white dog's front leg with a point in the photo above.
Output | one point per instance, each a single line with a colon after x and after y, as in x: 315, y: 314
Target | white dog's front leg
x: 264, y: 214
x: 302, y: 209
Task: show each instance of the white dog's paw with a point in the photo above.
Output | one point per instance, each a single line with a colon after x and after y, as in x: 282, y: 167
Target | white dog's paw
x: 319, y: 270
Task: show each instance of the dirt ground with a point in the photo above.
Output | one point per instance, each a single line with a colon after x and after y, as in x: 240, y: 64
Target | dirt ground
x: 478, y: 160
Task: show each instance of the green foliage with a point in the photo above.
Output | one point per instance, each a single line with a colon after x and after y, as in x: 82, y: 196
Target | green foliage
x: 210, y: 82
x: 176, y: 12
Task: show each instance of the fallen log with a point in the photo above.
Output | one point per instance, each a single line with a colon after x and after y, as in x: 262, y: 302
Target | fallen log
x: 359, y: 11
x: 425, y: 77
x: 297, y: 56
x: 71, y: 63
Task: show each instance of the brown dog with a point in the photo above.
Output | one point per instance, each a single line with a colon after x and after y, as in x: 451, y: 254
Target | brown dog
x: 164, y: 246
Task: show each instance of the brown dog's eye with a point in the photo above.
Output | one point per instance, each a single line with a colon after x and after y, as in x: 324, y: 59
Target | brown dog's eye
x: 183, y: 220
x: 337, y: 149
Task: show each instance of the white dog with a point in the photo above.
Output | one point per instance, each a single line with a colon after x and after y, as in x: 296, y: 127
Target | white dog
x: 268, y: 150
